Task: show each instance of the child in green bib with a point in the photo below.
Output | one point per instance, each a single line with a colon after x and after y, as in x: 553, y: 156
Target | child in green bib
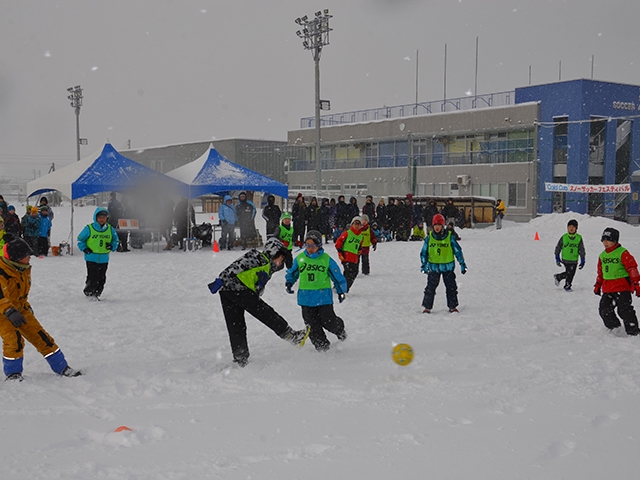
x: 569, y: 249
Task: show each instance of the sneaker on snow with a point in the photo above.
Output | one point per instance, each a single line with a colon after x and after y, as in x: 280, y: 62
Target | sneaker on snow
x: 241, y: 361
x: 567, y: 288
x: 14, y: 376
x: 70, y: 372
x: 426, y: 310
x: 556, y: 280
x: 342, y: 336
x: 453, y: 310
x: 294, y: 336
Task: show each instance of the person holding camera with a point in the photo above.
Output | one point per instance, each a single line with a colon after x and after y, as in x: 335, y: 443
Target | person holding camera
x: 97, y: 240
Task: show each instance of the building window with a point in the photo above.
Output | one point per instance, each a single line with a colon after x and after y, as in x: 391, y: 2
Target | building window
x: 517, y: 195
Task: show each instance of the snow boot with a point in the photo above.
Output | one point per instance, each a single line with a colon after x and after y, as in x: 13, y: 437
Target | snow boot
x: 294, y: 337
x: 14, y: 376
x: 342, y: 336
x: 70, y: 372
x: 453, y: 310
x: 556, y: 280
x: 426, y: 310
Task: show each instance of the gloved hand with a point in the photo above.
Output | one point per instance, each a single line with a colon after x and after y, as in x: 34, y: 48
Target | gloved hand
x: 341, y: 297
x: 597, y: 289
x: 223, y: 222
x: 375, y: 245
x: 216, y: 285
x: 636, y: 289
x: 263, y: 278
x: 424, y: 269
x: 88, y: 251
x: 109, y: 246
x: 582, y: 262
x: 558, y: 262
x: 463, y: 269
x: 15, y: 317
x: 289, y: 288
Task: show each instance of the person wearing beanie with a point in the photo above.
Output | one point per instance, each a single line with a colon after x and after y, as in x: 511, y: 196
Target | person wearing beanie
x: 228, y: 222
x: 569, y: 249
x: 271, y: 214
x: 369, y: 241
x: 299, y: 219
x: 439, y: 252
x: 316, y: 271
x: 240, y: 287
x: 45, y: 232
x: 31, y: 228
x: 348, y: 247
x: 284, y: 233
x: 12, y: 222
x: 17, y: 320
x: 617, y: 279
x: 97, y: 240
x: 246, y: 212
x: 369, y: 208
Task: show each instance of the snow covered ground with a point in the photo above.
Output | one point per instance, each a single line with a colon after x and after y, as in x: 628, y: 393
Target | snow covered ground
x: 525, y: 382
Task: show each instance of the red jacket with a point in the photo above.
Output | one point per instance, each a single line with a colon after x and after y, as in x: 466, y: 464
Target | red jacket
x: 347, y: 256
x: 372, y: 238
x: 619, y: 284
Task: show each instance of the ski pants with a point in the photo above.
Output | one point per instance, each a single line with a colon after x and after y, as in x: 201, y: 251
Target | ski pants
x: 228, y: 236
x: 321, y: 318
x: 96, y: 278
x: 366, y: 267
x: 622, y: 301
x: 13, y: 343
x: 350, y: 273
x: 288, y: 259
x: 433, y: 280
x: 568, y: 274
x: 234, y: 304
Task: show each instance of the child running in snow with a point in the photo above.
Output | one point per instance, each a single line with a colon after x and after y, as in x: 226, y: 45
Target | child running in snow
x: 617, y: 278
x: 439, y: 251
x: 17, y: 322
x: 240, y: 286
x: 284, y: 233
x: 568, y: 249
x: 369, y: 240
x: 316, y: 270
x: 348, y: 247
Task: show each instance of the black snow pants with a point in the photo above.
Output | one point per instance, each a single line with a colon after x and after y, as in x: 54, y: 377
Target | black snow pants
x: 350, y: 273
x: 96, y: 278
x: 234, y: 304
x: 433, y: 280
x: 321, y: 318
x: 568, y: 274
x: 622, y: 301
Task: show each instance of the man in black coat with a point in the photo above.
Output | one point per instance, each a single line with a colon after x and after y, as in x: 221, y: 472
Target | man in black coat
x: 271, y: 213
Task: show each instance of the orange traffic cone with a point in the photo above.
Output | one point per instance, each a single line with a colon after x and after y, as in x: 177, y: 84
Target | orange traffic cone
x: 216, y: 247
x: 537, y: 237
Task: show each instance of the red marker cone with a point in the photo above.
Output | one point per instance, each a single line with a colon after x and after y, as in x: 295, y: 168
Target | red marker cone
x: 537, y: 237
x: 122, y: 428
x: 216, y: 248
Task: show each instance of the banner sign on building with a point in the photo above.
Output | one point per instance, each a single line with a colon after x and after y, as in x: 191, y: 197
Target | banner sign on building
x: 567, y: 187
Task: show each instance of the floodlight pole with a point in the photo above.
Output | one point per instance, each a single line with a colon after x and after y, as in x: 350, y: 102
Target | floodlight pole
x: 315, y: 35
x: 75, y: 96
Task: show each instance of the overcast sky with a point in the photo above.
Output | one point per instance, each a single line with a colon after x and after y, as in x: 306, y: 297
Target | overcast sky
x: 160, y: 72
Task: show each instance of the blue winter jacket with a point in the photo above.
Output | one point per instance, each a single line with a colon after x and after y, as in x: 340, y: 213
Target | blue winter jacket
x: 315, y: 298
x: 45, y: 225
x: 227, y: 213
x: 441, y: 267
x: 83, y: 236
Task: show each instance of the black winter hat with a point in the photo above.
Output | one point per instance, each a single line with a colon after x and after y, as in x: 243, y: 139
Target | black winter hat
x: 572, y: 222
x: 16, y: 249
x: 610, y: 234
x: 315, y: 236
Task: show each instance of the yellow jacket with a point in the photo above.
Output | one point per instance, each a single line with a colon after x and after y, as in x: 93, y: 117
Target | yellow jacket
x: 500, y: 208
x: 15, y: 283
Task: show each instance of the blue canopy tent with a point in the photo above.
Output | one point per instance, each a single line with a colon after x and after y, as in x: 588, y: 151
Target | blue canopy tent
x: 101, y: 172
x: 214, y: 174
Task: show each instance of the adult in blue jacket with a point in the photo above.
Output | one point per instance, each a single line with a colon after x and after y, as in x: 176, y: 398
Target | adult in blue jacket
x: 228, y: 221
x: 97, y: 240
x: 316, y: 270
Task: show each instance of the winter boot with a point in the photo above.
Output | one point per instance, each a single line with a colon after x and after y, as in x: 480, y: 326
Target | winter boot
x: 426, y: 310
x: 342, y: 336
x: 294, y: 337
x: 14, y: 376
x: 453, y: 310
x: 70, y: 372
x: 556, y: 280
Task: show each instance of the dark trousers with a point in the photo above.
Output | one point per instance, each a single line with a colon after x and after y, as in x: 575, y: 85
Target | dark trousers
x: 350, y: 273
x: 288, y: 259
x: 96, y: 278
x: 321, y: 318
x: 568, y: 274
x: 43, y: 246
x: 234, y: 304
x: 622, y: 301
x: 433, y: 280
x: 366, y: 268
x: 123, y: 238
x: 228, y: 236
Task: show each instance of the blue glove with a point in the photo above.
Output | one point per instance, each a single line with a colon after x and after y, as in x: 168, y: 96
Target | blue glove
x: 263, y: 278
x: 289, y: 286
x: 463, y: 269
x: 582, y: 262
x: 558, y: 262
x: 341, y: 297
x: 216, y: 285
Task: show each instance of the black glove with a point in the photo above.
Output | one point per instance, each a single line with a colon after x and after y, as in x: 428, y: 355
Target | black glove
x: 15, y: 317
x: 223, y: 222
x: 289, y: 287
x: 88, y: 251
x: 341, y: 297
x: 215, y: 285
x: 109, y: 246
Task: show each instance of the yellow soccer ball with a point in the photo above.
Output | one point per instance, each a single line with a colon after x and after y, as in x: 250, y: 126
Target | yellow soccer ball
x: 402, y: 354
